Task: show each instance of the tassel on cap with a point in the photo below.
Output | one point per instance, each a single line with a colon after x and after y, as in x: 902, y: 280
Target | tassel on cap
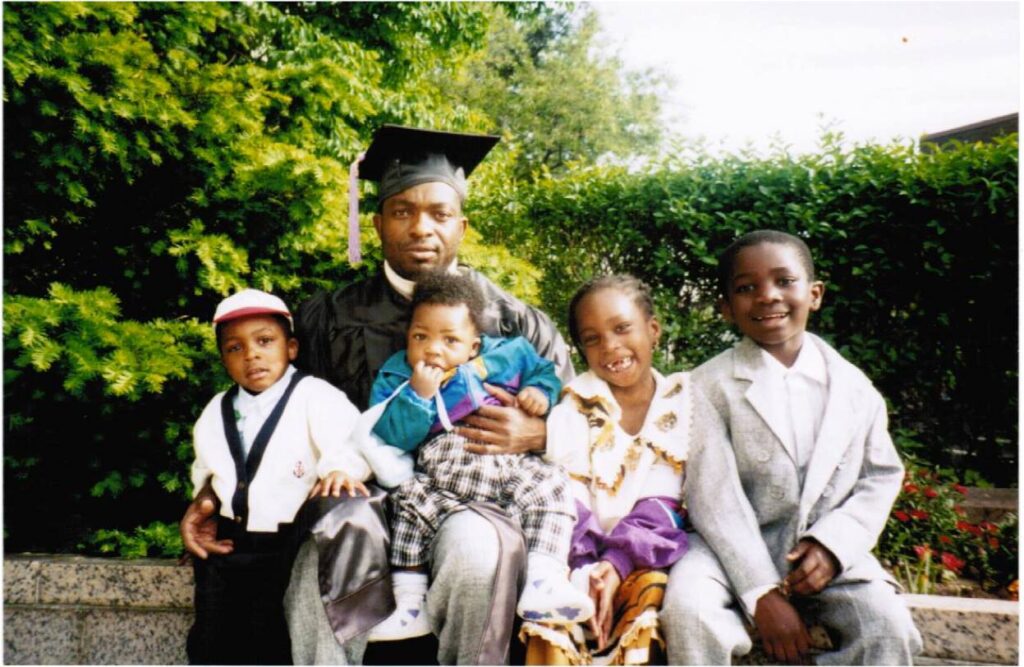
x: 354, y: 255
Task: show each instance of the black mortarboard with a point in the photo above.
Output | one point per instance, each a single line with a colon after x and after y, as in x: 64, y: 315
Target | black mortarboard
x: 402, y: 157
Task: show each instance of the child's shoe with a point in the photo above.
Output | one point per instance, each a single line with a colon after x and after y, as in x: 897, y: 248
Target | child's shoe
x: 410, y: 616
x: 549, y: 597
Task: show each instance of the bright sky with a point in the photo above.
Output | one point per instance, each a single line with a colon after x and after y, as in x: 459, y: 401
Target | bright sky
x: 747, y: 70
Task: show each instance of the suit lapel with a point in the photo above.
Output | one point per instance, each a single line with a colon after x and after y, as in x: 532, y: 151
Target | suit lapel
x: 837, y: 426
x: 749, y: 365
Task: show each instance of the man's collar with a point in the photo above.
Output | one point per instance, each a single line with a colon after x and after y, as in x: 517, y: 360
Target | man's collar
x: 405, y: 286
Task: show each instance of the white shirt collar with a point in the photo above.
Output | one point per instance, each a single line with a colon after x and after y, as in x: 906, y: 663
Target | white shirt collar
x: 809, y: 362
x: 404, y: 286
x: 401, y: 285
x: 264, y: 401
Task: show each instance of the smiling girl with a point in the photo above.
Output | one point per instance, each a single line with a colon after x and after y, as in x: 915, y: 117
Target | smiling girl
x: 621, y: 432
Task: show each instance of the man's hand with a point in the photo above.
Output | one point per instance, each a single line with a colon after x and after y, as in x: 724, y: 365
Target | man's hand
x: 782, y: 631
x: 199, y: 526
x: 426, y: 380
x: 503, y: 429
x: 604, y: 582
x: 533, y: 402
x: 335, y: 482
x: 815, y: 566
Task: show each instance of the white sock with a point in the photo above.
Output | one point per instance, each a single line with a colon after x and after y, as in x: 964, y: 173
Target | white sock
x: 541, y: 566
x: 409, y: 581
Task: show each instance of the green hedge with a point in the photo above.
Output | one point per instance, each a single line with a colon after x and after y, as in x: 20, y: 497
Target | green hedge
x: 918, y: 252
x: 160, y: 156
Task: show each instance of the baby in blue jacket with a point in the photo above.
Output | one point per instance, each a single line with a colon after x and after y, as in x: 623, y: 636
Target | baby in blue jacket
x: 420, y: 393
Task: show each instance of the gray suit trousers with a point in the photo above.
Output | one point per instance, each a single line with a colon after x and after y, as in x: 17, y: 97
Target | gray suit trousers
x: 703, y: 623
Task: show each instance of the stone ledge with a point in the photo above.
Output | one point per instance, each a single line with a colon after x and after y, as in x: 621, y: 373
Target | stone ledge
x: 967, y: 629
x: 138, y: 612
x: 78, y: 635
x: 989, y: 504
x: 79, y: 580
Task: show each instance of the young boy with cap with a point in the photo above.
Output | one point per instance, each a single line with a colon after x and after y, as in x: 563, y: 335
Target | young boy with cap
x: 263, y: 445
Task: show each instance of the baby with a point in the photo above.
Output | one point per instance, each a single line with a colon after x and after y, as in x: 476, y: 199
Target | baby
x: 418, y: 395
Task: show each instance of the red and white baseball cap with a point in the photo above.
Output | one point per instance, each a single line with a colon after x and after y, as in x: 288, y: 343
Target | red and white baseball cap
x: 250, y: 302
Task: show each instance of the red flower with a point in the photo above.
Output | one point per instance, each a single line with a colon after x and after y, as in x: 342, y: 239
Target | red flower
x: 918, y: 514
x: 945, y: 539
x: 959, y: 510
x: 993, y: 542
x: 968, y: 528
x: 902, y: 516
x: 951, y: 562
x: 929, y: 492
x: 910, y: 488
x: 923, y: 551
x: 959, y: 488
x: 989, y: 527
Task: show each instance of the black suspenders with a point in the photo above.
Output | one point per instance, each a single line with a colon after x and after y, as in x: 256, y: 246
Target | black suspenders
x: 245, y: 468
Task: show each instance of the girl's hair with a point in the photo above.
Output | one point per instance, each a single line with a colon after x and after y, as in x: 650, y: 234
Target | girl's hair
x: 727, y: 260
x: 623, y: 282
x: 450, y: 289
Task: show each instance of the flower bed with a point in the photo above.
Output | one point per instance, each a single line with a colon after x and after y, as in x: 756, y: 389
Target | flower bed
x: 932, y: 546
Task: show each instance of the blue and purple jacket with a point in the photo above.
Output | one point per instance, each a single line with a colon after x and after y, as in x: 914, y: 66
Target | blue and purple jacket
x: 509, y: 363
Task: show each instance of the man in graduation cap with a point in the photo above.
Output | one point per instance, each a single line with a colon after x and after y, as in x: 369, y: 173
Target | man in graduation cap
x: 345, y: 336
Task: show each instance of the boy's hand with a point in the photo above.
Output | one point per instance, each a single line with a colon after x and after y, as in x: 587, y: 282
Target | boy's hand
x: 532, y: 401
x: 335, y: 482
x: 604, y: 582
x: 199, y: 526
x: 815, y: 567
x: 782, y: 631
x: 425, y: 380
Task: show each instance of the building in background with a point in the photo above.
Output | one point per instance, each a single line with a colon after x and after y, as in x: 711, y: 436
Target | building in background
x: 984, y: 130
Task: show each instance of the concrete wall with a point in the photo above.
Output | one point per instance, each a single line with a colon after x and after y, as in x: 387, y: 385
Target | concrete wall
x: 76, y: 610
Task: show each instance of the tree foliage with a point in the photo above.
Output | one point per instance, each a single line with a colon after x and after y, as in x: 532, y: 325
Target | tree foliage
x: 160, y: 156
x: 548, y: 87
x: 918, y: 252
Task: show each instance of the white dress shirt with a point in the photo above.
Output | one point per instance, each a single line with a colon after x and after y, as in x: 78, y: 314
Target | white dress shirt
x: 252, y: 410
x: 800, y: 394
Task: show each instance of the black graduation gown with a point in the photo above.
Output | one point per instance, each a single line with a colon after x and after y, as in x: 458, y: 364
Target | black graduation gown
x: 345, y: 336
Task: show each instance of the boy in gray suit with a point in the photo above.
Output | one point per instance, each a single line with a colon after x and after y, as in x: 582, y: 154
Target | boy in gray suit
x: 789, y: 485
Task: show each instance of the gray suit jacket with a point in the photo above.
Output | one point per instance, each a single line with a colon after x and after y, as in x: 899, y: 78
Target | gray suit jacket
x: 742, y: 485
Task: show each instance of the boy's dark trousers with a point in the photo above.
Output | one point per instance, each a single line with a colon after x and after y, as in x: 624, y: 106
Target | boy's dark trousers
x: 239, y: 600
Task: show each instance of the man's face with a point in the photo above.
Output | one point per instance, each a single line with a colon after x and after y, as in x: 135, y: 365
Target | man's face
x: 420, y: 229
